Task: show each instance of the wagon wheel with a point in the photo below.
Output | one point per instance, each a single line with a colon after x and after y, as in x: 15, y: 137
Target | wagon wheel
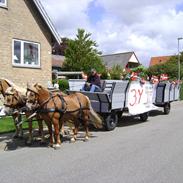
x: 167, y: 108
x: 144, y: 116
x: 111, y: 121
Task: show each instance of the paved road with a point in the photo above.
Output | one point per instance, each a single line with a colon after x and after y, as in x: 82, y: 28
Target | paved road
x: 150, y: 152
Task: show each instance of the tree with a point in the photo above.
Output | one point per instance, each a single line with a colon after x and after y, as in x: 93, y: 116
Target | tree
x: 59, y: 49
x: 81, y: 54
x: 170, y: 68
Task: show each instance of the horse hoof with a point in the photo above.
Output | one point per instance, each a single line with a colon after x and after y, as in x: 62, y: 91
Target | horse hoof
x: 57, y: 146
x: 20, y: 137
x: 86, y: 139
x: 29, y: 143
x: 50, y: 145
x: 15, y: 136
x: 72, y: 140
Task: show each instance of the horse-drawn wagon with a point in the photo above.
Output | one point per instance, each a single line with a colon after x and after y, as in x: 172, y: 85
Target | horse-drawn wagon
x: 118, y: 97
x: 165, y: 93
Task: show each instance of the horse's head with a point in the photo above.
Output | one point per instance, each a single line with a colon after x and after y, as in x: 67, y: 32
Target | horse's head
x: 3, y: 86
x: 11, y: 98
x: 33, y: 94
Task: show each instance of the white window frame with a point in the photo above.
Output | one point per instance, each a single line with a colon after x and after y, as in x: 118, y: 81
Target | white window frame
x: 3, y: 4
x: 22, y: 64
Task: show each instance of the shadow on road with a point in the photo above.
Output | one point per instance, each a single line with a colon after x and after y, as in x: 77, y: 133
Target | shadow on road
x: 11, y: 144
x: 156, y: 113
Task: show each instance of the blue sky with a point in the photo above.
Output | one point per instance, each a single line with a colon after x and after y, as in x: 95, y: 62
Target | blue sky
x: 95, y: 12
x: 149, y: 28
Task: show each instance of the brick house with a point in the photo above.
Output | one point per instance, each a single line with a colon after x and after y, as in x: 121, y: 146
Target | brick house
x: 27, y: 36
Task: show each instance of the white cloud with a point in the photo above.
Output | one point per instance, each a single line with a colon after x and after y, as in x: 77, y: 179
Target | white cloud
x: 67, y: 15
x: 150, y: 28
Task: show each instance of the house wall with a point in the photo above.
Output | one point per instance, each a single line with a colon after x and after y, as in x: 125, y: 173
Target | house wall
x: 21, y: 20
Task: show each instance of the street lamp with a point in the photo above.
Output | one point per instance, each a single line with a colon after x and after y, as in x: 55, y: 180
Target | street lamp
x: 179, y: 58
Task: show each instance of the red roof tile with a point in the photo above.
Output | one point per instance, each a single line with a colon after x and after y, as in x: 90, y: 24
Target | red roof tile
x: 159, y: 60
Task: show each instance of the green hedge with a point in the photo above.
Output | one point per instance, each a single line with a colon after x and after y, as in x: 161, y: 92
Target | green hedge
x: 63, y: 84
x: 181, y: 92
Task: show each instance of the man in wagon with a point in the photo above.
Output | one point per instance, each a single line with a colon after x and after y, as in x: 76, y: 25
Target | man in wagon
x: 93, y: 82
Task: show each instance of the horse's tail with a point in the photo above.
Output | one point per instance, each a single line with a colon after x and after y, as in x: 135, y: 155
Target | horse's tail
x: 94, y: 117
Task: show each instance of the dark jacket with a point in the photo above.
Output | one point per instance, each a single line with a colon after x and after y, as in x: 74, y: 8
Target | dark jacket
x: 94, y: 79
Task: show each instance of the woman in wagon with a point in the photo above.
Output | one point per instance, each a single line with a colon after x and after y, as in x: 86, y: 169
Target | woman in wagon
x: 93, y: 82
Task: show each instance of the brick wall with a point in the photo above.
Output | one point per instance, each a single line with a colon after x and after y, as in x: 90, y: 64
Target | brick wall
x: 21, y: 20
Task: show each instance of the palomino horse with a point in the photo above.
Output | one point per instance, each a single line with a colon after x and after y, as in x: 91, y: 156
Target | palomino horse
x: 4, y: 84
x: 15, y: 98
x: 56, y: 109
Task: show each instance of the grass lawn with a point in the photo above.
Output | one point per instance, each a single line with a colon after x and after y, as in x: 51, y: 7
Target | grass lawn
x: 7, y: 125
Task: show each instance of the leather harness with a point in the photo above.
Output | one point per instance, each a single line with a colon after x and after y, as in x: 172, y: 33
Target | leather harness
x: 63, y: 110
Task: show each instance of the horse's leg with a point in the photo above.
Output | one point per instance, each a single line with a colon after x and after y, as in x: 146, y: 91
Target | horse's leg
x: 75, y: 130
x: 50, y: 132
x: 55, y: 122
x: 29, y: 141
x: 41, y: 133
x: 61, y: 128
x: 20, y: 126
x: 17, y: 128
x: 85, y: 122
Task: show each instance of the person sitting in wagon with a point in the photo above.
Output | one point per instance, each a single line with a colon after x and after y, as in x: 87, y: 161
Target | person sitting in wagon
x: 93, y: 83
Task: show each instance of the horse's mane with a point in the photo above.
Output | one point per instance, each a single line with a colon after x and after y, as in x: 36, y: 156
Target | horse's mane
x: 19, y: 89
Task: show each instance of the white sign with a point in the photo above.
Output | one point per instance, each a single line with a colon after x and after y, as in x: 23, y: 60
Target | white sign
x: 140, y: 98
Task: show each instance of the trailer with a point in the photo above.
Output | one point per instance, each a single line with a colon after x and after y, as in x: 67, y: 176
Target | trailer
x: 118, y: 97
x: 165, y: 93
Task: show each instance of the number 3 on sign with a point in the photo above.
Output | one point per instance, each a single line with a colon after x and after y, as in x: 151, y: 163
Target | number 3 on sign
x: 137, y: 94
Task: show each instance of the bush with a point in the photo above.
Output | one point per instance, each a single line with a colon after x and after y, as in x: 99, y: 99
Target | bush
x: 105, y: 75
x: 63, y: 84
x: 116, y: 72
x: 181, y: 92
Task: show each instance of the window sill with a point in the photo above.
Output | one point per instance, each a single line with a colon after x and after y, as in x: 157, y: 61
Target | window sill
x: 27, y: 66
x: 3, y: 6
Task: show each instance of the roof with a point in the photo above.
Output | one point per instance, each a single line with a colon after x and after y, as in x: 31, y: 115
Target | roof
x: 47, y: 20
x: 121, y: 59
x: 57, y: 60
x: 159, y: 60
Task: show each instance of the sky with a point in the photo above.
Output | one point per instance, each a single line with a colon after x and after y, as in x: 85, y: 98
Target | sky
x: 147, y: 27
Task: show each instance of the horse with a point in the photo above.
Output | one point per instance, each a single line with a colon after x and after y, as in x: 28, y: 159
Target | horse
x: 4, y: 84
x: 15, y: 99
x: 57, y: 109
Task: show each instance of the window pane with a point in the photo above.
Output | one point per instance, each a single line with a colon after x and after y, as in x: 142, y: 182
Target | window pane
x: 31, y: 54
x: 17, y: 50
x: 2, y: 1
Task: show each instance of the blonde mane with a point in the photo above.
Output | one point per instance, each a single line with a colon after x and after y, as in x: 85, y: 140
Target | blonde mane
x: 19, y: 89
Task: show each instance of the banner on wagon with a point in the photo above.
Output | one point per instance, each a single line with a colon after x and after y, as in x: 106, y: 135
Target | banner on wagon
x: 140, y: 98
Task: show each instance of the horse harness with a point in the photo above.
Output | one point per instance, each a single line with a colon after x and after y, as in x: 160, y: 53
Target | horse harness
x: 63, y: 110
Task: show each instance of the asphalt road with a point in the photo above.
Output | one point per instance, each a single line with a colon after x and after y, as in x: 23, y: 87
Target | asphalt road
x: 135, y: 152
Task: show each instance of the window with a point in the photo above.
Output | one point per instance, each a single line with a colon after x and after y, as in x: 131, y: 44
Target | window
x: 26, y: 54
x: 3, y: 3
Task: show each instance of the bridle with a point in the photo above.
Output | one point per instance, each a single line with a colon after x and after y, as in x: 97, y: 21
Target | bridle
x: 19, y: 99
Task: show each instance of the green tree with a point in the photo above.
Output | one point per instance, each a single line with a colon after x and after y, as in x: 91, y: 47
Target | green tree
x: 170, y: 68
x: 81, y: 54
